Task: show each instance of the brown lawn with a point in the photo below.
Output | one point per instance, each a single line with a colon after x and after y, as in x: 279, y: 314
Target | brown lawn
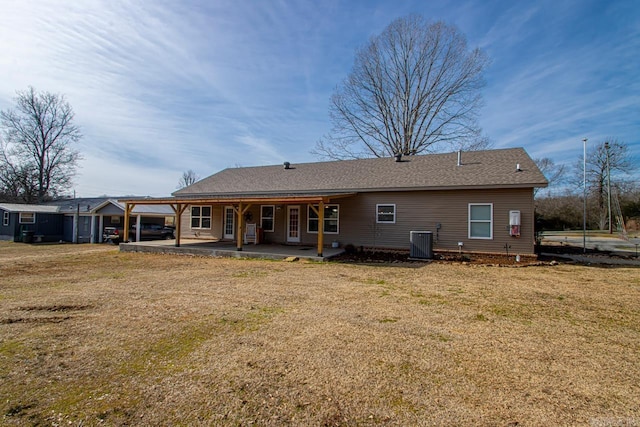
x: 91, y: 336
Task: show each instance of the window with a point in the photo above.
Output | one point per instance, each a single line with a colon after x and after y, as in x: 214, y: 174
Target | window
x: 5, y: 218
x: 201, y: 217
x: 480, y: 220
x: 331, y: 219
x: 27, y: 218
x: 266, y: 217
x: 386, y: 214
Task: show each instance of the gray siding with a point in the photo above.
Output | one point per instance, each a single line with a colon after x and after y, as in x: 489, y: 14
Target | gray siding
x: 415, y: 211
x: 421, y: 211
x: 9, y: 231
x: 215, y: 232
x: 110, y: 209
x: 48, y: 227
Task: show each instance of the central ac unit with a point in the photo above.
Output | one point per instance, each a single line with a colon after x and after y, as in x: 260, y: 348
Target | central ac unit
x: 421, y: 244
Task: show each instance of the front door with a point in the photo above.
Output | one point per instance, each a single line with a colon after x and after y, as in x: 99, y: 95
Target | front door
x: 229, y: 222
x: 293, y: 224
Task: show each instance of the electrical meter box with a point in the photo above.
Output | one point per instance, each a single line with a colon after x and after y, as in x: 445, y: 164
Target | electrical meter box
x: 514, y: 223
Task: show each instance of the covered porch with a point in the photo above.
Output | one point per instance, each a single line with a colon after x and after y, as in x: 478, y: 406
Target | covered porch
x: 229, y: 249
x: 238, y: 206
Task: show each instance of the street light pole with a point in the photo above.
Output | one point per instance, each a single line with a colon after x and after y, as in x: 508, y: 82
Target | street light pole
x: 606, y: 149
x: 584, y: 195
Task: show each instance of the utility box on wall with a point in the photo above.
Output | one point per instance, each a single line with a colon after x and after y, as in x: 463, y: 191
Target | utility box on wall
x: 514, y: 223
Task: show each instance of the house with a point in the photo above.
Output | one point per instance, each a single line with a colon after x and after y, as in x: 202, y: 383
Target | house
x: 479, y: 201
x: 78, y: 220
x: 41, y: 223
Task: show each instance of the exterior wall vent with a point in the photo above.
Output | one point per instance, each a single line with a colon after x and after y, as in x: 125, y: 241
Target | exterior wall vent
x: 421, y: 244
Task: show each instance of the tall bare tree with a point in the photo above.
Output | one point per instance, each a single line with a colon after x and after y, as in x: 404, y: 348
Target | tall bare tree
x: 414, y: 88
x: 189, y: 177
x: 37, y: 158
x: 619, y: 166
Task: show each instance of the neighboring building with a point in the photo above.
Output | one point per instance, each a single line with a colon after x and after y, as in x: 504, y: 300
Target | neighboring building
x: 71, y: 220
x: 43, y: 223
x: 92, y: 215
x: 479, y: 201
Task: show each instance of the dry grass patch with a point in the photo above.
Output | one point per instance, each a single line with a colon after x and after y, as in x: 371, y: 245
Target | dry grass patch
x: 121, y: 338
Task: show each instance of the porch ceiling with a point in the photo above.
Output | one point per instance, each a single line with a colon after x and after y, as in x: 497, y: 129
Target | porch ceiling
x: 244, y: 199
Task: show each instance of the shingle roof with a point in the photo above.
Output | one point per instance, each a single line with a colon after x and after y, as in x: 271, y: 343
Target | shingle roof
x: 83, y: 204
x: 478, y: 169
x: 22, y: 207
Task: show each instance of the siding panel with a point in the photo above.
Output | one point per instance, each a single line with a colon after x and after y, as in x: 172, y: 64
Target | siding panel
x: 415, y: 210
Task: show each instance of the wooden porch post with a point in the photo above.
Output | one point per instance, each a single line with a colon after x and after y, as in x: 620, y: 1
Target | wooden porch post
x: 128, y: 208
x: 241, y: 211
x: 239, y: 235
x: 178, y: 209
x: 320, y: 227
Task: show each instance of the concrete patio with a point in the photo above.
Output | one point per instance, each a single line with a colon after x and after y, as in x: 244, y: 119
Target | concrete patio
x: 228, y: 249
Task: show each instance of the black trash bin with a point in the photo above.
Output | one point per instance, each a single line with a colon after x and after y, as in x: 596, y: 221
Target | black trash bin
x: 27, y: 236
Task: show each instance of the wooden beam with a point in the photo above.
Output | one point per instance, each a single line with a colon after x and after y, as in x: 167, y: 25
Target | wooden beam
x: 178, y: 209
x: 239, y: 236
x: 240, y: 211
x: 252, y: 200
x: 320, y: 213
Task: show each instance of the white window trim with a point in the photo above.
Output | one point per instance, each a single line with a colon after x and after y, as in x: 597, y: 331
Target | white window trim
x: 200, y: 217
x: 490, y: 221
x: 5, y: 218
x: 394, y: 213
x: 325, y: 232
x: 273, y: 218
x: 21, y: 221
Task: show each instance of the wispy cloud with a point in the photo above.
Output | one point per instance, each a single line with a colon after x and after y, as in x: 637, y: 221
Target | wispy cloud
x: 160, y: 87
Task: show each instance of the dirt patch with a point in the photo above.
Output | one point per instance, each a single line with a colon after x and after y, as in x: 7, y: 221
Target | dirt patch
x: 398, y: 257
x: 38, y: 319
x: 477, y: 259
x: 55, y: 307
x: 10, y: 321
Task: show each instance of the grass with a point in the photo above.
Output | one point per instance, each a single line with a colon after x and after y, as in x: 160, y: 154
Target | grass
x: 91, y: 336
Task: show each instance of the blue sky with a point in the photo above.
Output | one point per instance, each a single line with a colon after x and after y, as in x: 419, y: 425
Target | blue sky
x: 159, y: 87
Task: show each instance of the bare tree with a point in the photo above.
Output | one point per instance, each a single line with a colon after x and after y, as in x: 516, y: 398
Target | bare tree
x: 37, y: 157
x: 554, y: 173
x: 619, y: 165
x: 414, y: 88
x: 189, y: 177
x: 17, y: 183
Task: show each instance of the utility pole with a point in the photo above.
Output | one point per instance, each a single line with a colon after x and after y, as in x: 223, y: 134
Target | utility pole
x: 606, y: 149
x: 584, y: 195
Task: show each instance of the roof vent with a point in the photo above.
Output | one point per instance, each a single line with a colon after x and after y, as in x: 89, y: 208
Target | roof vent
x: 459, y: 157
x: 398, y: 157
x: 518, y: 169
x: 287, y: 165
